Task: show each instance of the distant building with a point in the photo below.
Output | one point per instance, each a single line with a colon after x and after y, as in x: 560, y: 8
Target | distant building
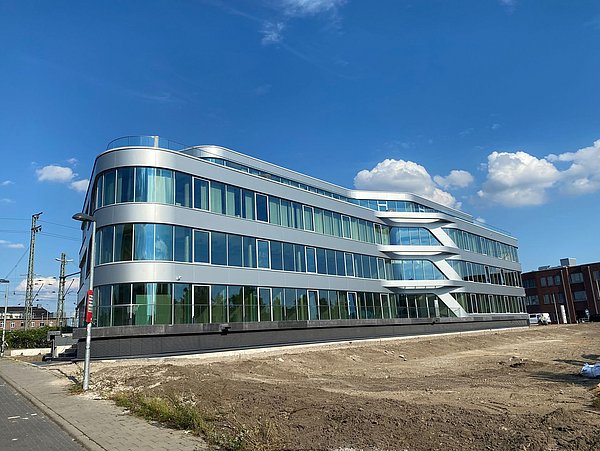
x: 569, y: 287
x: 15, y: 318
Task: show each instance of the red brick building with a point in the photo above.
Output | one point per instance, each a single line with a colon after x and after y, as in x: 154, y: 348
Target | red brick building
x: 569, y: 288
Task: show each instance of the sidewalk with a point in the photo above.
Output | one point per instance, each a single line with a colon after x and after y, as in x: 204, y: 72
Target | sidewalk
x: 96, y: 424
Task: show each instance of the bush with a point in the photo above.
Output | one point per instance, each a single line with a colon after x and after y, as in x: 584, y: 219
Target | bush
x: 31, y: 338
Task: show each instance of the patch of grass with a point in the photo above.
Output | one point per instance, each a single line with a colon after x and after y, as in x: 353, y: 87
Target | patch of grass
x: 76, y: 388
x: 181, y: 415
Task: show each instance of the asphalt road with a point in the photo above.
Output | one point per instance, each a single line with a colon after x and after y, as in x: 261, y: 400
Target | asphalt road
x: 23, y: 427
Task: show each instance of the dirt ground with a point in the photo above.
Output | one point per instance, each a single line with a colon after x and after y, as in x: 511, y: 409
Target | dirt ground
x: 500, y: 390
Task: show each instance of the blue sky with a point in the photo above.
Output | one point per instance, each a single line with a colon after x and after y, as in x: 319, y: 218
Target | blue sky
x: 490, y: 105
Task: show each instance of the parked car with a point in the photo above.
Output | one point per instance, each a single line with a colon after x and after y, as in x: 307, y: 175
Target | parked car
x: 540, y: 319
x: 595, y: 318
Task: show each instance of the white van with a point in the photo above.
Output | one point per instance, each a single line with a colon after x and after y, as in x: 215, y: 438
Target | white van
x: 541, y: 319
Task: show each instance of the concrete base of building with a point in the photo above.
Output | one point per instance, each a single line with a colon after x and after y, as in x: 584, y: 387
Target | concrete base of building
x: 162, y: 340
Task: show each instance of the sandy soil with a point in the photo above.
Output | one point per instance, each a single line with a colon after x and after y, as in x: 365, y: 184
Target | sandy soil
x: 503, y: 390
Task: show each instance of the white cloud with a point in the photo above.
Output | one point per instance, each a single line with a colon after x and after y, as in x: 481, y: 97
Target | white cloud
x: 456, y: 179
x: 518, y: 179
x: 299, y: 8
x: 80, y: 185
x: 54, y: 173
x: 495, y: 126
x: 6, y: 200
x: 44, y: 288
x: 72, y: 161
x: 11, y: 245
x: 403, y: 176
x: 272, y: 32
x: 7, y: 182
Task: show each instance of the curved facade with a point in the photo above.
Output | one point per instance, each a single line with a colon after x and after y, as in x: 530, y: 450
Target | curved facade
x: 205, y: 240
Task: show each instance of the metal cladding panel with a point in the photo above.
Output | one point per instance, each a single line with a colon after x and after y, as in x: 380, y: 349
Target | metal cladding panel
x: 174, y: 344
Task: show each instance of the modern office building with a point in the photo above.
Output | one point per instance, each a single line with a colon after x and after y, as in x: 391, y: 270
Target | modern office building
x: 569, y: 292
x: 200, y: 248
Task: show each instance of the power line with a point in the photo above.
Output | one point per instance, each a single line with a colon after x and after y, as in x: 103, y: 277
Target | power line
x: 18, y: 262
x: 54, y: 235
x: 60, y: 225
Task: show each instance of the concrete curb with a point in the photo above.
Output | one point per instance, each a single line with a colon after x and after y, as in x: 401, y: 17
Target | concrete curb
x: 77, y: 434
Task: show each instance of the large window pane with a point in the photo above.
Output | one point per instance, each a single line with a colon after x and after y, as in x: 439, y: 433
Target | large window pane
x: 349, y: 264
x: 163, y: 187
x: 264, y: 300
x: 235, y: 302
x: 331, y: 262
x: 234, y: 201
x: 288, y: 257
x: 143, y: 248
x: 274, y: 216
x: 183, y: 189
x: 248, y: 204
x: 250, y: 304
x: 234, y: 250
x: 298, y: 220
x: 125, y: 185
x: 183, y: 244
x: 201, y: 304
x: 308, y: 218
x: 318, y: 220
x: 340, y: 263
x: 144, y: 300
x: 261, y: 208
x: 278, y: 305
x: 290, y: 304
x: 109, y: 188
x: 163, y: 303
x: 218, y: 248
x: 182, y: 300
x: 263, y: 253
x: 285, y: 213
x: 106, y: 246
x: 218, y: 304
x: 217, y: 197
x: 201, y: 247
x: 249, y: 252
x: 311, y: 260
x: 328, y: 222
x: 302, y: 304
x: 321, y: 261
x: 123, y: 242
x: 300, y: 258
x: 200, y: 194
x: 164, y: 242
x: 337, y: 224
x: 324, y: 313
x: 276, y: 255
x: 142, y: 177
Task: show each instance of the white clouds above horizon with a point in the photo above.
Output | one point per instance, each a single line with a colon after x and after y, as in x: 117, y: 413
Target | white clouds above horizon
x: 7, y: 183
x: 403, y: 176
x: 62, y: 174
x: 456, y: 179
x: 516, y: 179
x: 11, y: 245
x: 302, y: 8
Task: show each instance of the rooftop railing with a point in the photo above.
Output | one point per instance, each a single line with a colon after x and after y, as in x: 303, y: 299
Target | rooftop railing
x: 145, y: 141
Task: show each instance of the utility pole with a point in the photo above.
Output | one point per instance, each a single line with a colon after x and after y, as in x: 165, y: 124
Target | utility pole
x: 60, y: 305
x: 29, y: 292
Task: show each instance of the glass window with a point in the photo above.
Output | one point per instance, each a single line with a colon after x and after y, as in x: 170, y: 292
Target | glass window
x: 340, y: 263
x: 354, y: 228
x: 285, y: 213
x: 183, y: 189
x: 324, y: 313
x: 263, y: 253
x: 200, y: 194
x: 308, y: 218
x: 106, y: 245
x: 297, y: 221
x: 124, y: 185
x: 349, y: 264
x: 201, y: 304
x: 358, y: 268
x: 217, y: 197
x: 218, y: 302
x: 250, y: 304
x: 264, y: 302
x: 143, y: 248
x: 183, y: 244
x: 311, y: 260
x: 236, y: 304
x: 123, y: 242
x: 337, y: 224
x: 182, y: 303
x: 164, y: 242
x: 288, y: 257
x: 300, y: 258
x: 346, y: 227
x: 201, y: 248
x: 331, y: 262
x: 261, y: 208
x: 163, y: 310
x: 250, y: 252
x: 234, y: 201
x: 318, y: 214
x: 290, y: 304
x: 276, y: 255
x: 162, y: 188
x: 99, y: 191
x: 334, y: 305
x: 328, y: 222
x: 248, y: 204
x: 234, y: 250
x: 218, y: 248
x: 302, y: 304
x: 278, y: 306
x: 380, y: 268
x: 274, y: 216
x: 109, y: 188
x: 144, y: 300
x: 321, y: 261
